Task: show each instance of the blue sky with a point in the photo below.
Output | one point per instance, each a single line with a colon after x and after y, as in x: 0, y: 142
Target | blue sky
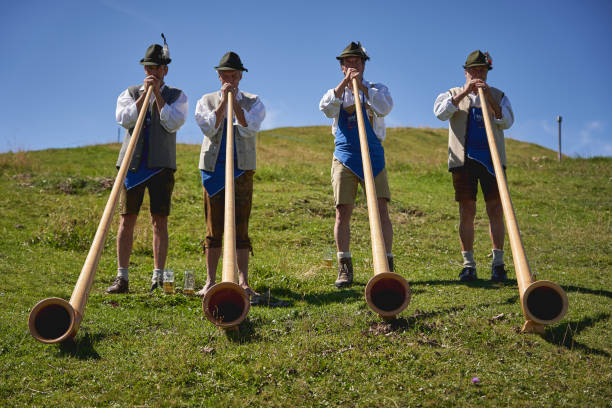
x: 67, y: 61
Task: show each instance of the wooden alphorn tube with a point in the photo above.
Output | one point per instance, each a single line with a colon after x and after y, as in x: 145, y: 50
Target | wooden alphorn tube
x: 54, y: 320
x: 387, y: 293
x: 543, y: 302
x: 227, y: 304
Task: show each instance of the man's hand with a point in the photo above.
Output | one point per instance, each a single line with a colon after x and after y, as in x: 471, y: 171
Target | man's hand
x: 154, y: 82
x: 472, y: 86
x: 226, y: 88
x: 347, y: 81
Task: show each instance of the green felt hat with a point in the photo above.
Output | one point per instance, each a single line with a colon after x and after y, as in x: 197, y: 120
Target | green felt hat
x: 230, y: 62
x: 354, y: 50
x: 478, y: 59
x: 155, y: 56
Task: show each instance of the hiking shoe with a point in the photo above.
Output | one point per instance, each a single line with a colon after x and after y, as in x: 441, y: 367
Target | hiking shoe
x: 345, y: 272
x: 468, y: 274
x: 119, y: 286
x: 156, y: 284
x: 499, y: 273
x: 390, y: 261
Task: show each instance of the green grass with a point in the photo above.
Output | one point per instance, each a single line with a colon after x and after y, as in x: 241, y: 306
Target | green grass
x: 327, y: 348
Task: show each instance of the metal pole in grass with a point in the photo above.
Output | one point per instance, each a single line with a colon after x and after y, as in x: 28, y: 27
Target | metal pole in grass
x: 559, y: 119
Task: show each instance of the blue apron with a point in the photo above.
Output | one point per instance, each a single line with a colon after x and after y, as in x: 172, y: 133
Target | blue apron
x: 214, y: 181
x: 134, y: 178
x: 348, y: 148
x: 477, y: 145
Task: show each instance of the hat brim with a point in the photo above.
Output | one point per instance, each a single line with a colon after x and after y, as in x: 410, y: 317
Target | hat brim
x: 478, y: 65
x: 149, y: 62
x: 231, y: 69
x: 341, y: 57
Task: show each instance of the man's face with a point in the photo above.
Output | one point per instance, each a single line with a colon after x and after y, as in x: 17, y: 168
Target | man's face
x: 352, y: 62
x: 158, y: 71
x: 477, y: 73
x: 230, y: 77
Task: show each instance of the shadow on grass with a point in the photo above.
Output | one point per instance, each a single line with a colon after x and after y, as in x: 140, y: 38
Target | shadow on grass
x: 564, y: 334
x: 599, y: 292
x: 416, y: 320
x: 82, y: 347
x: 487, y: 284
x: 244, y: 333
x: 347, y: 295
x: 478, y: 283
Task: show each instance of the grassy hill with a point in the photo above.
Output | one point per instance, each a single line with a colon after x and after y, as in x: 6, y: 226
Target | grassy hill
x: 326, y: 348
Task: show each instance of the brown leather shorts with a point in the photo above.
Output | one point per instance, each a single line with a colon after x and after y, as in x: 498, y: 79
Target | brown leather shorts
x: 466, y: 178
x: 160, y: 188
x: 214, y: 209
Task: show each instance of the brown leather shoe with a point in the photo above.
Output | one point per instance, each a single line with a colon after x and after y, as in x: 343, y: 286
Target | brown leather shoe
x: 118, y: 286
x: 345, y: 272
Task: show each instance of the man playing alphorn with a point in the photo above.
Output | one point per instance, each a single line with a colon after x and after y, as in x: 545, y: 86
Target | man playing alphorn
x: 347, y: 170
x: 153, y: 163
x: 469, y: 158
x: 249, y: 113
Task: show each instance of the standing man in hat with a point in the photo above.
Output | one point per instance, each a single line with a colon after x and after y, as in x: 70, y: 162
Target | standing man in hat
x: 469, y: 158
x: 153, y: 163
x: 249, y: 113
x: 347, y: 170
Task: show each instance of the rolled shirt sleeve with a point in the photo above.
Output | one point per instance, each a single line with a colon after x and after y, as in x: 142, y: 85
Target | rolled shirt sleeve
x: 507, y: 118
x: 379, y: 98
x: 126, y: 112
x: 254, y: 117
x: 205, y: 118
x: 443, y: 106
x: 330, y: 105
x: 173, y: 116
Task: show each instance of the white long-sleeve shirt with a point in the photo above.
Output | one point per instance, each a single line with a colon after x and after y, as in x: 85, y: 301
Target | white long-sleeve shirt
x: 379, y: 99
x: 206, y: 118
x: 444, y: 108
x: 172, y: 116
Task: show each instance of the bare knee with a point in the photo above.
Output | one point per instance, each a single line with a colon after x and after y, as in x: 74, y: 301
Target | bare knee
x: 467, y: 210
x: 127, y: 222
x: 343, y: 214
x: 160, y: 223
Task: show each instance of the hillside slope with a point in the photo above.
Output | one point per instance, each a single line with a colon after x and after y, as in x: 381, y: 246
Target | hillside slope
x: 326, y: 348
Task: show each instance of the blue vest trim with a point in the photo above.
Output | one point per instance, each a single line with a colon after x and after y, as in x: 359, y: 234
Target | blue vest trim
x: 214, y: 181
x: 477, y: 146
x: 135, y: 178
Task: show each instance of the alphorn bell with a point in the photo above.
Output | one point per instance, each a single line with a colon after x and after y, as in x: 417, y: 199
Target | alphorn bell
x: 543, y: 302
x: 387, y: 293
x: 226, y: 304
x: 54, y: 320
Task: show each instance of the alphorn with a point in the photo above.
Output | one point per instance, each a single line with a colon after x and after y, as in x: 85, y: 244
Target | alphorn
x: 387, y: 293
x: 226, y: 304
x: 54, y: 320
x: 543, y: 302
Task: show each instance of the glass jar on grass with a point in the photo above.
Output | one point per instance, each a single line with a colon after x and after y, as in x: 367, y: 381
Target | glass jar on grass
x: 189, y: 283
x: 168, y: 281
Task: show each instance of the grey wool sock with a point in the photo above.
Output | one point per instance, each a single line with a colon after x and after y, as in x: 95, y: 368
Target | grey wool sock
x: 468, y: 259
x: 157, y: 275
x: 122, y: 273
x: 498, y: 257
